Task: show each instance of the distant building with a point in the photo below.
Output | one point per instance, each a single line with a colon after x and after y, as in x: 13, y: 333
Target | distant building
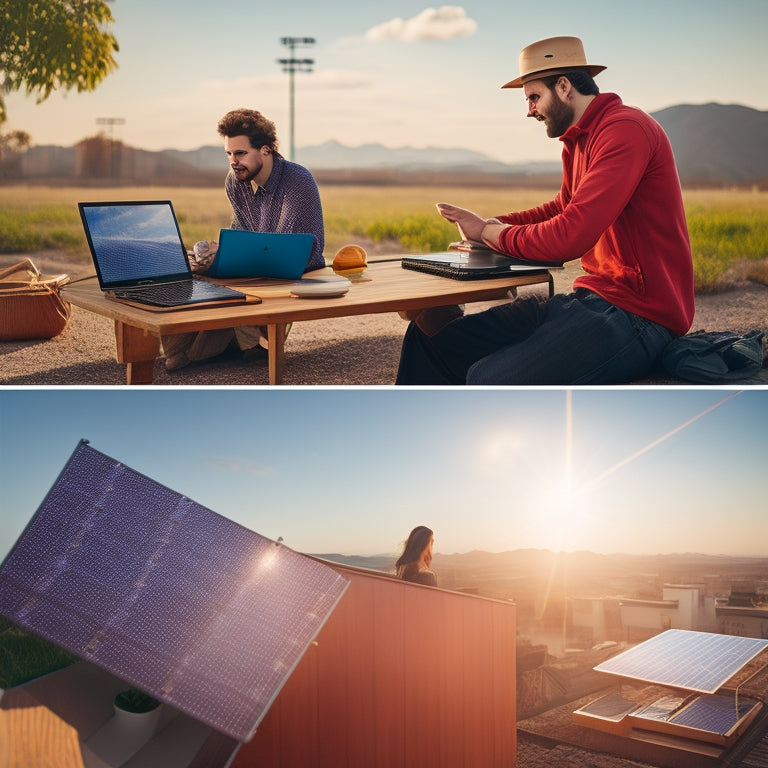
x: 742, y: 621
x: 682, y: 606
x: 594, y: 620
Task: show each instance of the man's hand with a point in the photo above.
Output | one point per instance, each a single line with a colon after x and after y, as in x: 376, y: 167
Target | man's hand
x: 202, y: 255
x: 470, y: 224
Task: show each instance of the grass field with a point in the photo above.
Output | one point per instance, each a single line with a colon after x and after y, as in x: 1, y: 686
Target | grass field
x: 729, y: 229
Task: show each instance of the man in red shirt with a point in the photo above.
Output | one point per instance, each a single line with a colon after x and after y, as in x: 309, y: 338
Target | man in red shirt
x: 619, y: 210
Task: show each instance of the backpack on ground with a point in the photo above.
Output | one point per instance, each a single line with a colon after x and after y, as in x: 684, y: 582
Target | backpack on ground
x: 714, y: 357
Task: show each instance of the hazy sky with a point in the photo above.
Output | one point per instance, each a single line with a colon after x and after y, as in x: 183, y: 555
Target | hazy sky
x: 398, y: 72
x: 352, y: 471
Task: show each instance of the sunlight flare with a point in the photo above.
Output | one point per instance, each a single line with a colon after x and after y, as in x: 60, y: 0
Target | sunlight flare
x: 623, y: 463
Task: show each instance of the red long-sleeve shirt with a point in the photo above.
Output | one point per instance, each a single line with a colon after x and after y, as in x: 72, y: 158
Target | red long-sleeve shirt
x: 620, y: 210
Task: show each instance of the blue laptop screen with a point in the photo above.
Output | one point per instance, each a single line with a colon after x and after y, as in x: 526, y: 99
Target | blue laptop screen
x: 132, y: 242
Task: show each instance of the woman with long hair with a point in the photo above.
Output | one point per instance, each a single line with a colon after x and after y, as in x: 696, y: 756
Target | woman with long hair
x: 414, y: 563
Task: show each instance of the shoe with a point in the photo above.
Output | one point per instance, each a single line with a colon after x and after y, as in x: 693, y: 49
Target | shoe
x: 175, y: 362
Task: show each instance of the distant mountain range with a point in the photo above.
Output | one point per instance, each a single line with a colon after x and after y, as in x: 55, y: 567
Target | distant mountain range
x: 718, y: 143
x: 526, y: 572
x: 714, y: 144
x: 527, y: 562
x: 333, y: 156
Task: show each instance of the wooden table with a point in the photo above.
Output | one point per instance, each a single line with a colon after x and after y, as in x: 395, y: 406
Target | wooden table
x: 383, y: 287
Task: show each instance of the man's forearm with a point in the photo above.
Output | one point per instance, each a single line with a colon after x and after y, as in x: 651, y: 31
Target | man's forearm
x: 492, y: 233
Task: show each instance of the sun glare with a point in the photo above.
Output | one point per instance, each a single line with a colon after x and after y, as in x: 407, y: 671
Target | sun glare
x: 564, y: 514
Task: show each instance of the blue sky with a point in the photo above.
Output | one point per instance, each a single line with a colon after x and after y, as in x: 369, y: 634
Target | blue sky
x: 395, y: 72
x: 352, y: 471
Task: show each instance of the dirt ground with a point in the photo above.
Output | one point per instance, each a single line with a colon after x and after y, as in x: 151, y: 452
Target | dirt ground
x: 347, y: 351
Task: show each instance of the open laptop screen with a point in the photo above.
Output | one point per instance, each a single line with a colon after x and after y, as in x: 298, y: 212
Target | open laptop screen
x: 134, y: 242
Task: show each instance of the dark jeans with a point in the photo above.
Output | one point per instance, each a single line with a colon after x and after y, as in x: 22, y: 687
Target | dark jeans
x: 578, y: 338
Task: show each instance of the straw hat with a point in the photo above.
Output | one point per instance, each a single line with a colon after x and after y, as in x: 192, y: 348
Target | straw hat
x: 555, y: 54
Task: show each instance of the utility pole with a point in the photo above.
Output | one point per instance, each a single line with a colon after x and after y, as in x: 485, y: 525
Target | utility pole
x: 111, y: 122
x: 292, y: 65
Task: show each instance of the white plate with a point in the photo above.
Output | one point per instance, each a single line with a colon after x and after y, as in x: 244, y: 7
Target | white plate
x: 318, y: 288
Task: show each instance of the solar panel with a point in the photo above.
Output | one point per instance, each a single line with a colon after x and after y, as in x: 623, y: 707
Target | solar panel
x: 165, y: 594
x: 717, y: 714
x: 612, y: 706
x: 697, y: 661
x: 662, y: 709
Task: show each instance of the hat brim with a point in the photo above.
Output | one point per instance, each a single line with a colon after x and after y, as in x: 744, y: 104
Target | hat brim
x: 519, y: 82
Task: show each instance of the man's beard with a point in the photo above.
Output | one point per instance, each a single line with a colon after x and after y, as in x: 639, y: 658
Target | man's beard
x: 244, y: 175
x: 559, y: 118
x: 247, y: 175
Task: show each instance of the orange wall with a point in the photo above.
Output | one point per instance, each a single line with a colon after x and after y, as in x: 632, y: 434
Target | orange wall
x: 401, y: 675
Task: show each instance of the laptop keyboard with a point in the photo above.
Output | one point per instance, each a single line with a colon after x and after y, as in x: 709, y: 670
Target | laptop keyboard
x: 179, y: 293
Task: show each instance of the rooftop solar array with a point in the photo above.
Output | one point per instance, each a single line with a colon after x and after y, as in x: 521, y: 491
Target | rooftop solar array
x: 165, y: 594
x: 697, y: 661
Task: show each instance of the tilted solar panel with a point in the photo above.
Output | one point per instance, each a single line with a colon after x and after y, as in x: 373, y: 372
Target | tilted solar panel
x: 696, y: 661
x: 165, y: 594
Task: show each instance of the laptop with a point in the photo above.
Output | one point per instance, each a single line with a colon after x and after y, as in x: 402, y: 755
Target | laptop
x: 243, y: 253
x: 472, y: 266
x: 140, y: 257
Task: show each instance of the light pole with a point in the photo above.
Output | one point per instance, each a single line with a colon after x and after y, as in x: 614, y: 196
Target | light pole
x: 292, y: 65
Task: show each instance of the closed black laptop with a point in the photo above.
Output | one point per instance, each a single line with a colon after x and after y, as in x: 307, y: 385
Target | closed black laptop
x: 470, y: 266
x: 139, y: 255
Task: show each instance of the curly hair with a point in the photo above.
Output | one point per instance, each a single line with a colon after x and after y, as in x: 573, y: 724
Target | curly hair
x: 248, y: 122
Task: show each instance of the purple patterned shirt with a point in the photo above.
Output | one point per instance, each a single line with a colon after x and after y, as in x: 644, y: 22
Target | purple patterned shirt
x: 289, y: 202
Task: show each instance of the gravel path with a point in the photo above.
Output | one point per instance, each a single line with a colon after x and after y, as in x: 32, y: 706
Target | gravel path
x: 360, y: 350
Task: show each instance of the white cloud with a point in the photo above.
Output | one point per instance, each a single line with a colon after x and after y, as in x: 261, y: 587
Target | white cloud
x: 445, y: 23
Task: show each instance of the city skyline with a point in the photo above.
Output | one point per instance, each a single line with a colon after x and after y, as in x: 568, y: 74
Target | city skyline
x: 654, y: 471
x: 398, y: 74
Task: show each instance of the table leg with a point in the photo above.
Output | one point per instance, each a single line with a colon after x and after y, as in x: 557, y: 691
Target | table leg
x: 138, y: 349
x: 276, y: 337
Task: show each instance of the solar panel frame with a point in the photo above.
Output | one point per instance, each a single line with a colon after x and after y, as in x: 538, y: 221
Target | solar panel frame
x: 165, y: 594
x: 678, y: 658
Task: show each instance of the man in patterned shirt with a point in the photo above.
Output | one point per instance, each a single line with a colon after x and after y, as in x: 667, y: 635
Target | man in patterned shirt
x: 268, y: 194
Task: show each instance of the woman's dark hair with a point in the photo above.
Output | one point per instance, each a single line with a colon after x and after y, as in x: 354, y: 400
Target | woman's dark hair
x: 248, y: 122
x: 580, y: 79
x: 417, y: 541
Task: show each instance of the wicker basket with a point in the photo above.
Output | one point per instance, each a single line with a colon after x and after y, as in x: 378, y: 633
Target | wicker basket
x: 31, y: 306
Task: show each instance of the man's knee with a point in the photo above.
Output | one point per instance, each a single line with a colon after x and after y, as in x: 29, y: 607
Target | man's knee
x: 482, y: 374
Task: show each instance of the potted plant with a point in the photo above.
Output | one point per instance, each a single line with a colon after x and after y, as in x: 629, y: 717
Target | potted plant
x: 135, y: 721
x: 135, y: 701
x: 136, y: 715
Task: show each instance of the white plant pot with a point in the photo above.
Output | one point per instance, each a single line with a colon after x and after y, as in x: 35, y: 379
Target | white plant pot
x: 136, y: 726
x: 124, y: 734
